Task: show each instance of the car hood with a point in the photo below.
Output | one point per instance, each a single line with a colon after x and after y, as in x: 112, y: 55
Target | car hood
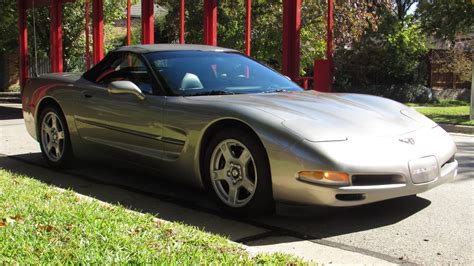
x: 331, y: 116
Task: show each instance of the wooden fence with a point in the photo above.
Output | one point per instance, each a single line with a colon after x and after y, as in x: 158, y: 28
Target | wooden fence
x: 442, y: 75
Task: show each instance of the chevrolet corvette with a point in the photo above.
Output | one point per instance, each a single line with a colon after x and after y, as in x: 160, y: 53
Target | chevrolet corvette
x: 214, y: 118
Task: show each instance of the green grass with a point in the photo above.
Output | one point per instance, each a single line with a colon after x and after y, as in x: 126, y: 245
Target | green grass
x: 458, y: 115
x: 40, y: 224
x: 441, y: 103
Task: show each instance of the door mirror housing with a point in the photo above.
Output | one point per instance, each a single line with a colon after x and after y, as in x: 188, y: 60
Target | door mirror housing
x: 125, y: 87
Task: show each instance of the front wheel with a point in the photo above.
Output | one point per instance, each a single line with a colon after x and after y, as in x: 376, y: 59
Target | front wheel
x: 54, y: 137
x: 237, y: 173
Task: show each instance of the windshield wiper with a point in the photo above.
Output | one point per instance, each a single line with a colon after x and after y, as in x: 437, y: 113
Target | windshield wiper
x: 213, y: 92
x: 276, y: 90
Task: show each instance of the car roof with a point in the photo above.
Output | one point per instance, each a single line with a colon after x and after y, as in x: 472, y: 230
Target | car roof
x: 147, y: 48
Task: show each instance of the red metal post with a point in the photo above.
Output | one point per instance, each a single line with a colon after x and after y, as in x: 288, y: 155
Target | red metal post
x: 210, y: 22
x: 249, y: 27
x: 291, y: 38
x: 181, y: 26
x: 88, y: 52
x: 23, y: 41
x: 56, y: 37
x: 323, y: 69
x: 129, y: 23
x: 322, y: 75
x: 148, y: 31
x: 329, y: 30
x: 98, y: 30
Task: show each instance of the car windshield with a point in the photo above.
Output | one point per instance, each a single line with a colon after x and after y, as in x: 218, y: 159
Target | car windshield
x: 194, y: 73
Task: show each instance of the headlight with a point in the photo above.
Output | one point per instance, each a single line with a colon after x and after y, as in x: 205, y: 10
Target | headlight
x: 324, y: 177
x: 414, y: 115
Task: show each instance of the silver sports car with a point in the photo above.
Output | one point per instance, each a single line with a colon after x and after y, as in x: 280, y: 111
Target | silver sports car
x: 214, y: 118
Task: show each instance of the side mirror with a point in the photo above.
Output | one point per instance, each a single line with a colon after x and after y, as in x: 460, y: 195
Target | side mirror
x: 125, y: 87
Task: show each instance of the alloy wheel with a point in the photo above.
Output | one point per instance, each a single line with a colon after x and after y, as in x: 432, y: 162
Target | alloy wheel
x: 52, y: 136
x: 233, y: 173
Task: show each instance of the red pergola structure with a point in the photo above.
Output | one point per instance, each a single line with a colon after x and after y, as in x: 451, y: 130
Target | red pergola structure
x: 290, y: 42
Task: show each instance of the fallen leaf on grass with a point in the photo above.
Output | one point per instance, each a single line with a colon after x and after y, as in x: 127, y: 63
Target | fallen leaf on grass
x: 2, y: 224
x: 47, y: 228
x: 18, y: 218
x: 69, y: 227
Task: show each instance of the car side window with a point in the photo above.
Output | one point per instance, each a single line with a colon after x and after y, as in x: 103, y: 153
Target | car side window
x: 127, y: 67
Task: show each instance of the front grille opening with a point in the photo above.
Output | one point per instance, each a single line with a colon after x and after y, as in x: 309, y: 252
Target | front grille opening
x: 368, y: 180
x: 350, y: 197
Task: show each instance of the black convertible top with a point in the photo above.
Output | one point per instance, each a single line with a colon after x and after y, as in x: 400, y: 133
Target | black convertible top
x: 147, y: 48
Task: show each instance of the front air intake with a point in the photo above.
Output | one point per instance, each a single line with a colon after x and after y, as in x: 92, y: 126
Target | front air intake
x: 372, y: 180
x: 350, y: 197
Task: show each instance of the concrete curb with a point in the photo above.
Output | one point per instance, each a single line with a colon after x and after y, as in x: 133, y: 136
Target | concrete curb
x: 458, y: 129
x: 10, y: 97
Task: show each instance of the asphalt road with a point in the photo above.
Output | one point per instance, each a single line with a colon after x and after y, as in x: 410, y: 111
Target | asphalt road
x: 434, y: 227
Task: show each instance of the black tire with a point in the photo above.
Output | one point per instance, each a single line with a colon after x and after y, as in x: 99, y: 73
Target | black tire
x: 66, y: 156
x: 261, y: 202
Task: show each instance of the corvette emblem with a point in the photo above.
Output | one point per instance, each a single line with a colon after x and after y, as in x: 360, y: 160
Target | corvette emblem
x: 408, y: 141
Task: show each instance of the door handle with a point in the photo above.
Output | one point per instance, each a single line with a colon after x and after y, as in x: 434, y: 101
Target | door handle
x: 87, y: 95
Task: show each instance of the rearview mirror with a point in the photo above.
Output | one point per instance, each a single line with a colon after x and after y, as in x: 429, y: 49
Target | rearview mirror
x: 125, y: 87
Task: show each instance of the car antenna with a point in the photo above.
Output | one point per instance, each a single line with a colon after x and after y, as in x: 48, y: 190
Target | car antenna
x: 35, y: 71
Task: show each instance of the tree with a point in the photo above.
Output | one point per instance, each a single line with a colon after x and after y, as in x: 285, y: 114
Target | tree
x: 73, y: 27
x: 392, y: 53
x: 352, y: 18
x: 8, y: 26
x: 445, y: 19
x: 402, y: 7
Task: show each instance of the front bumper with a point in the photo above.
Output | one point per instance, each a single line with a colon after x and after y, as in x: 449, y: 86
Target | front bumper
x: 382, y: 156
x: 358, y: 195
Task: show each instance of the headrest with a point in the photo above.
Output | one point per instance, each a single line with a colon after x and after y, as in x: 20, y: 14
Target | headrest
x: 191, y: 82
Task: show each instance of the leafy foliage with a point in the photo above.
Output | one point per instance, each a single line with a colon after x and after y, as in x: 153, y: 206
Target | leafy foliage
x: 8, y: 26
x: 393, y: 54
x: 73, y: 28
x: 445, y: 19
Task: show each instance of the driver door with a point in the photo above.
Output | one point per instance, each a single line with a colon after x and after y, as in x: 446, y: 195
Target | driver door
x: 122, y: 125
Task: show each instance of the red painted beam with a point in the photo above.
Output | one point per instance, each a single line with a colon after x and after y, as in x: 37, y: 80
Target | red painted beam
x: 88, y: 52
x: 129, y: 23
x: 148, y: 31
x: 210, y: 22
x: 23, y: 42
x: 248, y: 31
x: 98, y: 30
x: 181, y: 21
x: 291, y: 38
x: 56, y: 37
x: 329, y: 50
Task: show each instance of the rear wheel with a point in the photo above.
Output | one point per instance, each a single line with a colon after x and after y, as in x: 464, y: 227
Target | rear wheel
x: 54, y: 137
x: 237, y: 173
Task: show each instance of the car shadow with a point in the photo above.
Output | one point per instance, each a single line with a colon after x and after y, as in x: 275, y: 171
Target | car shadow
x: 10, y: 111
x: 171, y: 201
